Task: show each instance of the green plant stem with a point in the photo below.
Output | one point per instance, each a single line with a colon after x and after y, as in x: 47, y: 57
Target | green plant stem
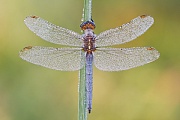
x: 82, y: 114
x: 82, y: 111
x: 87, y: 10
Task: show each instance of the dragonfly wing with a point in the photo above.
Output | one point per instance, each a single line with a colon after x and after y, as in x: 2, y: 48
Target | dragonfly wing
x: 116, y: 59
x: 52, y: 33
x: 126, y: 32
x: 65, y: 59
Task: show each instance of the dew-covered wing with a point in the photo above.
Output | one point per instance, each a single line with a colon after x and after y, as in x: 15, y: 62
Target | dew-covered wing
x: 116, y: 59
x: 65, y: 59
x: 52, y: 33
x: 126, y: 32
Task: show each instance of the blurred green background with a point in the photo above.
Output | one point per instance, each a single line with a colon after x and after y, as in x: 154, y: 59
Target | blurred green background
x: 30, y: 92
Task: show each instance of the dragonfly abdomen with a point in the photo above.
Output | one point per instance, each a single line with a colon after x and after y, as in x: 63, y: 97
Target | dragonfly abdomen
x: 89, y: 80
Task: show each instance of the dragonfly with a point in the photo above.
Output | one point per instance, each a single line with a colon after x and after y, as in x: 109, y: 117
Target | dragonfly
x: 89, y: 49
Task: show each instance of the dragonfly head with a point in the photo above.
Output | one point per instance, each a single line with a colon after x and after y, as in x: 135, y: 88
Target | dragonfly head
x: 88, y: 25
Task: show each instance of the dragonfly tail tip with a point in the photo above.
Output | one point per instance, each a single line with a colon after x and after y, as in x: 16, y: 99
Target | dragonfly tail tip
x: 89, y: 111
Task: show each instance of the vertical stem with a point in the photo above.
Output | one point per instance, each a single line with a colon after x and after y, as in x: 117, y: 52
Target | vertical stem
x: 87, y: 10
x: 82, y: 110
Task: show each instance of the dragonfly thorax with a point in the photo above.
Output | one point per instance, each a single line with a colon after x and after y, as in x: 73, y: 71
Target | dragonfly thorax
x: 89, y: 40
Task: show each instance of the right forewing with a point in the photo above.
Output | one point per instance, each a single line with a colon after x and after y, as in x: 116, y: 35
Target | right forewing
x: 125, y: 33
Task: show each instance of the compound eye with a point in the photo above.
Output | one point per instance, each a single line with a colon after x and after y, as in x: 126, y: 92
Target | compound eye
x: 87, y: 25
